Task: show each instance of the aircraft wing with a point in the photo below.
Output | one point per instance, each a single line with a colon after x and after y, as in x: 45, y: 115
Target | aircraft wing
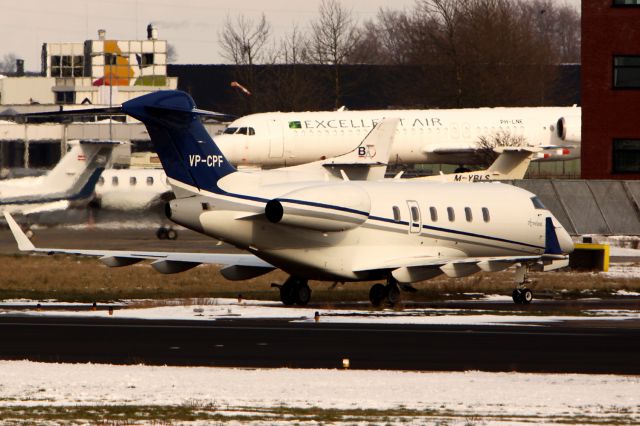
x: 455, y: 267
x: 45, y: 207
x: 237, y: 266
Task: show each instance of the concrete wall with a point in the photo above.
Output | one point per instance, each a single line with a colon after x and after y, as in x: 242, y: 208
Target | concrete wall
x: 607, y: 207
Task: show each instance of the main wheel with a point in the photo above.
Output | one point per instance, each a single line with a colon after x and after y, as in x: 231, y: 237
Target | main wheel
x: 516, y: 295
x: 303, y: 295
x: 526, y: 296
x: 288, y: 294
x: 393, y: 294
x: 172, y: 234
x: 377, y: 293
x: 161, y: 233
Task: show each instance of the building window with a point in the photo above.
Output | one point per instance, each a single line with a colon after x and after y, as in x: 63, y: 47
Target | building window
x: 626, y: 72
x: 396, y: 213
x: 146, y: 59
x: 626, y: 156
x: 67, y: 66
x: 65, y: 98
x: 626, y: 2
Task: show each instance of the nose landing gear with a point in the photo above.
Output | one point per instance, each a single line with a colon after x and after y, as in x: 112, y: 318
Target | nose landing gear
x: 521, y: 294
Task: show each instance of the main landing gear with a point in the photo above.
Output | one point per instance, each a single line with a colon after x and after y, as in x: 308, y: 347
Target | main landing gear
x: 295, y: 290
x: 521, y: 294
x: 389, y: 293
x: 166, y: 233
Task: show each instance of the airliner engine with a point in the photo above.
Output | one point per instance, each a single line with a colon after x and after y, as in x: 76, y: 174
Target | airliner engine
x: 569, y: 128
x: 326, y: 208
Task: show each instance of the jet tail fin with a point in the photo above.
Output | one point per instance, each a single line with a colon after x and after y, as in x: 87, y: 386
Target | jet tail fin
x: 189, y: 156
x: 371, y: 156
x: 77, y: 172
x: 513, y: 162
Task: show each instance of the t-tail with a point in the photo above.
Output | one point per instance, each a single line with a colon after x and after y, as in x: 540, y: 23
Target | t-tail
x: 189, y: 156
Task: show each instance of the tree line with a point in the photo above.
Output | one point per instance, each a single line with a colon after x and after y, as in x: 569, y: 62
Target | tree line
x: 461, y: 53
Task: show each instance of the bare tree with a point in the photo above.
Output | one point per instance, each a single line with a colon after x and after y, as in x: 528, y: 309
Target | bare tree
x: 242, y: 41
x: 333, y: 37
x: 486, y: 146
x: 8, y: 63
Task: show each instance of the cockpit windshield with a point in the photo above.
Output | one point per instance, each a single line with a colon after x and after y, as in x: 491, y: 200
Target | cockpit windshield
x: 239, y: 131
x: 537, y: 203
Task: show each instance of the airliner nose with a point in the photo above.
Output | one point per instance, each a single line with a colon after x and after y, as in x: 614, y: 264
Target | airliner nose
x: 565, y: 241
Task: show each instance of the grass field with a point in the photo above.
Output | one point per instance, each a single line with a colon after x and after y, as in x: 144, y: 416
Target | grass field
x: 71, y: 278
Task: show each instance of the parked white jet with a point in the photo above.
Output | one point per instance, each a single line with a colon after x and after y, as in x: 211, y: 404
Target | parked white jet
x: 315, y: 226
x: 452, y: 136
x: 70, y: 183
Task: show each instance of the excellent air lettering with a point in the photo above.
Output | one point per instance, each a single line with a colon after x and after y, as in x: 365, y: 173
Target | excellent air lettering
x: 209, y: 160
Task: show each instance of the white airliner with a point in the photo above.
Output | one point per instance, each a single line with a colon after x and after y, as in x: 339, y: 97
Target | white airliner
x: 277, y: 139
x: 314, y: 223
x: 70, y: 183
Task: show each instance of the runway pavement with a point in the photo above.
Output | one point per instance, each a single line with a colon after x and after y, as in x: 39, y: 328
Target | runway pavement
x: 585, y: 348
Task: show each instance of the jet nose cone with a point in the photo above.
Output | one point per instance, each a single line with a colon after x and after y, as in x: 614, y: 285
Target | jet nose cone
x: 565, y: 241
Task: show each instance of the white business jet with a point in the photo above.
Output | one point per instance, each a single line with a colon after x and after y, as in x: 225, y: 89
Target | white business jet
x: 277, y: 139
x: 70, y: 183
x: 315, y: 223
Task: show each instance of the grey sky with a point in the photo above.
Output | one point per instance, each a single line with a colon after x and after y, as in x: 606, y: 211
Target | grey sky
x: 192, y: 26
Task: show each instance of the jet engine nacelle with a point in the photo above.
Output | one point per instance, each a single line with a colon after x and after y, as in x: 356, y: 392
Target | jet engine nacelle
x: 569, y: 128
x: 326, y: 208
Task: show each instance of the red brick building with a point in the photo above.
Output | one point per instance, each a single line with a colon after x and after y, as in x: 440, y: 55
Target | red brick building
x: 611, y: 89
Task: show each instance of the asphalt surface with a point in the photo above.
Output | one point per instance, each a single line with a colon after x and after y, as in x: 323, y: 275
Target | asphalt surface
x: 279, y: 343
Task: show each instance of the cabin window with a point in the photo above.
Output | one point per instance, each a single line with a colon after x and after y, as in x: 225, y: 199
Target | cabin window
x: 451, y: 214
x: 150, y: 181
x: 485, y: 214
x: 133, y: 181
x: 396, y: 213
x: 468, y: 214
x: 114, y: 181
x: 415, y: 214
x: 434, y: 214
x: 230, y: 130
x: 537, y: 204
x: 101, y: 181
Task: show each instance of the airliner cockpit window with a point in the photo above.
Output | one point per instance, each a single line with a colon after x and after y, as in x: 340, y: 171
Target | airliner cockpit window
x: 251, y: 131
x: 229, y: 130
x: 242, y: 131
x: 537, y: 203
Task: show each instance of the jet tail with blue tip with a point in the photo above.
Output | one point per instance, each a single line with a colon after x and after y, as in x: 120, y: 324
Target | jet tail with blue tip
x: 188, y: 154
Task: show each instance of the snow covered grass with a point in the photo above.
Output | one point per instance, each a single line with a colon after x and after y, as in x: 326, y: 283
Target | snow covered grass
x: 209, y: 309
x: 35, y: 392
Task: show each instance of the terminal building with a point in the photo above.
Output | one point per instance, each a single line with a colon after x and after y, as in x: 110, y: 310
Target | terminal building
x: 610, y: 89
x: 98, y: 72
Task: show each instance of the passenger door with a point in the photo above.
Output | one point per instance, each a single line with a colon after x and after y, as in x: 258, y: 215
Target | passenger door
x: 415, y: 222
x: 276, y: 143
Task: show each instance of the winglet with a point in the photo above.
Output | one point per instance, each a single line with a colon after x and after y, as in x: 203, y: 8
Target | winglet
x: 24, y: 244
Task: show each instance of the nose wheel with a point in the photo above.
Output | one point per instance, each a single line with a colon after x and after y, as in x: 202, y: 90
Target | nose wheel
x: 294, y: 291
x: 521, y: 294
